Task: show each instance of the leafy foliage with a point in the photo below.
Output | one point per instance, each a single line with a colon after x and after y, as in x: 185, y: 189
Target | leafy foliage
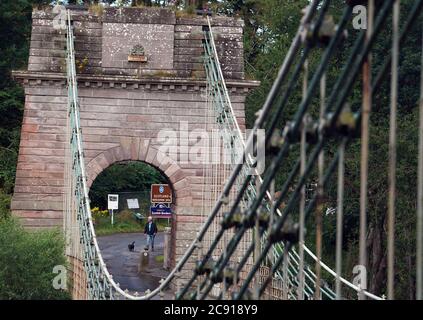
x: 15, y: 22
x: 27, y: 260
x: 276, y: 24
x: 123, y: 177
x: 124, y: 222
x: 4, y: 205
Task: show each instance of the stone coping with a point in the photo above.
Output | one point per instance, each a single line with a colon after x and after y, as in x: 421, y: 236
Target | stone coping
x: 29, y: 78
x: 146, y: 15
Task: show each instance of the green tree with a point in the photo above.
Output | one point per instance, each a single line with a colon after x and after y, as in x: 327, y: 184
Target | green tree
x: 27, y: 260
x: 123, y: 177
x: 270, y: 26
x: 15, y: 24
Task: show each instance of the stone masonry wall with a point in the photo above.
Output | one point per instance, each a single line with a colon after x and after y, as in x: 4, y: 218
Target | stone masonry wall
x: 173, y: 46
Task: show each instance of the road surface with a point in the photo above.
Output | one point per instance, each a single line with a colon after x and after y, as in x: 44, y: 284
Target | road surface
x: 123, y: 264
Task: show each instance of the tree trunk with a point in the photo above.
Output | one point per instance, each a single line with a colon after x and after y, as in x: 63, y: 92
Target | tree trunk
x: 411, y: 282
x: 377, y: 257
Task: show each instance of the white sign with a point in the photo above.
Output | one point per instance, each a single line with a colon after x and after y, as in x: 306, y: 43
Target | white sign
x: 112, y: 201
x: 133, y: 204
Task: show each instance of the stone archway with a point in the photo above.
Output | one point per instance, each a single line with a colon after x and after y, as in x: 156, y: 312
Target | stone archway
x: 138, y: 149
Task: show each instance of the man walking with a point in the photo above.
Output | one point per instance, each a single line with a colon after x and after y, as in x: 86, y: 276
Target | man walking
x: 150, y: 230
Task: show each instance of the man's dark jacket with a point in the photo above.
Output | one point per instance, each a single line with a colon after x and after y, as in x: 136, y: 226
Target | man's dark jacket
x: 152, y: 230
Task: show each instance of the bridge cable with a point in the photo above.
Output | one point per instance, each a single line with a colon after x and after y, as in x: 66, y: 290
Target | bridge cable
x: 392, y: 149
x: 419, y: 239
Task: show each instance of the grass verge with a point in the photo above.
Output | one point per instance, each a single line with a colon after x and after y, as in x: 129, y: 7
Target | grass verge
x: 124, y: 222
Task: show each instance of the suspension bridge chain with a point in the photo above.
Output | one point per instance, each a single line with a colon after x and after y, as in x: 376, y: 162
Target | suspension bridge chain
x: 100, y: 283
x: 339, y: 124
x: 248, y: 199
x: 234, y: 145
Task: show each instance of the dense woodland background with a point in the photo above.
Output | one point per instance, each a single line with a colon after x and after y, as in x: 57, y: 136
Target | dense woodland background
x: 269, y: 28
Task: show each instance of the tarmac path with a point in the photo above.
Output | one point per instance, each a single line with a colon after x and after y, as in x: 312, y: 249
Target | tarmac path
x: 123, y: 265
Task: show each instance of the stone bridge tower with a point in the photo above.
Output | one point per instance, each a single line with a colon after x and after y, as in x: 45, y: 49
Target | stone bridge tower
x: 124, y: 102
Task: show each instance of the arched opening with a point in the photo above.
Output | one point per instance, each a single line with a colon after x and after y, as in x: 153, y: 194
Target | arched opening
x: 120, y: 232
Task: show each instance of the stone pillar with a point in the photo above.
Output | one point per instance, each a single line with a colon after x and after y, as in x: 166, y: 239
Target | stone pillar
x: 144, y: 261
x: 167, y: 247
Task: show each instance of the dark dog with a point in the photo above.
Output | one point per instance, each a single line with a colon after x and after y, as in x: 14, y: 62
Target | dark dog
x: 131, y: 246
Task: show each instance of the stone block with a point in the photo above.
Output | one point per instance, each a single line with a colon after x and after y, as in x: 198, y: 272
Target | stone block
x: 139, y: 15
x: 119, y: 39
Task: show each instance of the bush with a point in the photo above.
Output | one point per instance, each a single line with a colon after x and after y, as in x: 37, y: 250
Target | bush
x: 27, y: 260
x: 4, y: 205
x: 97, y: 214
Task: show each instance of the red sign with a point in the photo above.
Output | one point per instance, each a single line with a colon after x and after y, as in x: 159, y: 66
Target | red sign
x: 161, y: 193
